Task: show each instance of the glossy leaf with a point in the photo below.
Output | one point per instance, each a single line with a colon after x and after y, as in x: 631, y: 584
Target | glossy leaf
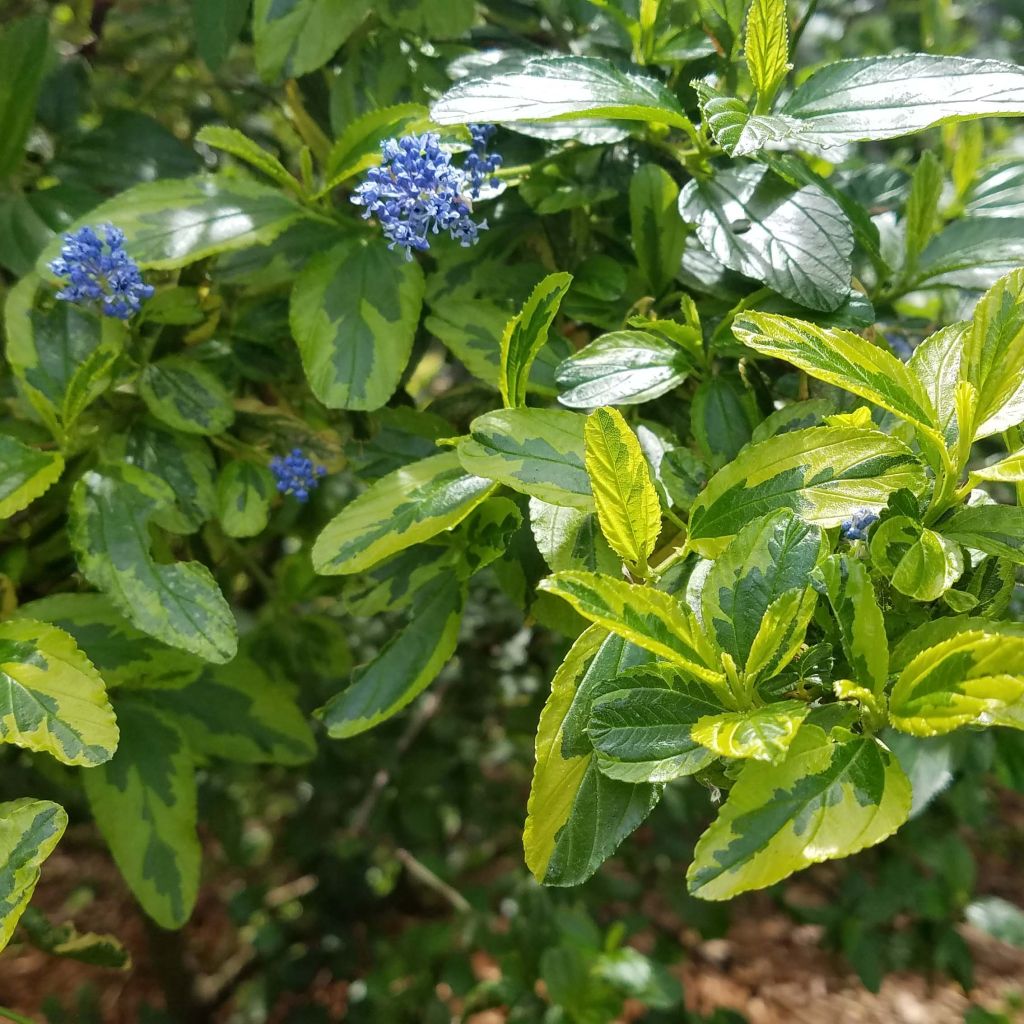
x: 357, y: 149
x: 844, y: 359
x: 408, y: 506
x: 850, y: 592
x: 172, y: 223
x: 25, y: 474
x: 526, y: 334
x: 993, y: 356
x: 187, y: 396
x: 621, y: 368
x: 244, y: 492
x: 656, y: 229
x: 922, y: 215
x: 995, y: 529
x: 577, y: 817
x: 239, y: 145
x: 407, y: 664
x: 539, y: 452
x: 930, y: 566
x: 852, y: 100
x: 642, y: 732
x: 569, y: 538
x: 936, y: 363
x: 179, y: 603
x: 823, y: 474
x: 768, y: 558
x: 144, y: 803
x: 722, y: 417
x: 51, y: 697
x: 796, y: 241
x: 972, y: 253
x: 354, y: 312
x: 29, y: 831
x: 559, y: 88
x: 764, y: 734
x: 295, y: 38
x: 736, y: 129
x: 628, y: 509
x: 830, y: 797
x: 975, y: 677
x: 653, y: 620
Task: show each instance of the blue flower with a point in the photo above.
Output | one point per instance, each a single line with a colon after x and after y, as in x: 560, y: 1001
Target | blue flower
x: 856, y: 527
x: 417, y: 192
x: 95, y: 270
x: 479, y: 164
x: 296, y: 474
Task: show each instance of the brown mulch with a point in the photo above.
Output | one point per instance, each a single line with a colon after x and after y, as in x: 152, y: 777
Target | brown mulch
x: 767, y: 967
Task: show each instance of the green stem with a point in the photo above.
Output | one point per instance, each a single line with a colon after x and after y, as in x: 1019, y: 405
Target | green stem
x: 799, y: 30
x: 16, y: 1017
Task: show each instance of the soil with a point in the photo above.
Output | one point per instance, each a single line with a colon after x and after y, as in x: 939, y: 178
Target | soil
x: 767, y: 967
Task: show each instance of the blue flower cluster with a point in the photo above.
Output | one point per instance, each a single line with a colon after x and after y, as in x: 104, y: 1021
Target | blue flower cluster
x: 417, y: 191
x: 100, y: 270
x: 479, y: 164
x: 856, y: 527
x: 296, y: 474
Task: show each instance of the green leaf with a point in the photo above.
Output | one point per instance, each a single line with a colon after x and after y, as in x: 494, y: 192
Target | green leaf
x: 123, y: 655
x: 768, y: 558
x: 52, y: 350
x: 183, y: 461
x: 539, y: 452
x: 844, y: 359
x: 656, y: 228
x: 187, y: 396
x: 736, y: 129
x: 569, y: 538
x: 628, y: 509
x: 922, y: 214
x: 25, y: 474
x: 576, y: 817
x: 559, y: 88
x: 767, y: 48
x: 722, y: 417
x: 851, y: 594
x: 244, y: 491
x: 641, y: 732
x: 972, y: 253
x: 622, y: 368
x: 354, y: 313
x: 29, y: 831
x: 994, y: 529
x: 999, y: 918
x: 178, y: 603
x: 406, y: 507
x: 653, y: 620
x: 526, y: 334
x: 853, y: 100
x: 144, y: 803
x: 231, y: 140
x: 829, y: 798
x: 823, y: 474
x: 1007, y: 471
x: 357, y: 149
x: 764, y: 734
x: 238, y: 711
x: 218, y: 23
x: 993, y: 356
x: 66, y: 941
x: 408, y: 663
x: 170, y: 224
x: 974, y: 677
x: 936, y: 363
x: 23, y: 234
x: 51, y: 697
x: 930, y: 566
x: 432, y: 19
x: 796, y: 241
x: 23, y: 48
x: 298, y: 36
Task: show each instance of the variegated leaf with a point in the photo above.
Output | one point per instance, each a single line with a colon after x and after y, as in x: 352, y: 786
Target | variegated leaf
x: 25, y: 474
x: 764, y: 734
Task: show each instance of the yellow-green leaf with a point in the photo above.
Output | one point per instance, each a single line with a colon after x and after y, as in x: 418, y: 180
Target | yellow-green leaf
x: 627, y: 504
x: 767, y: 48
x: 25, y: 474
x: 764, y: 734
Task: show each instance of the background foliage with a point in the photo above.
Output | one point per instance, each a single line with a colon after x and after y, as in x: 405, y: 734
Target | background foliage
x: 379, y: 843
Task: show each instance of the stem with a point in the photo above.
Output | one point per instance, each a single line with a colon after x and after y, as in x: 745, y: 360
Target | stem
x: 423, y: 874
x: 13, y: 1016
x: 167, y: 957
x: 799, y: 30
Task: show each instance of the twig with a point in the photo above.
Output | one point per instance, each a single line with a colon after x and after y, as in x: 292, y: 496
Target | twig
x: 423, y: 874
